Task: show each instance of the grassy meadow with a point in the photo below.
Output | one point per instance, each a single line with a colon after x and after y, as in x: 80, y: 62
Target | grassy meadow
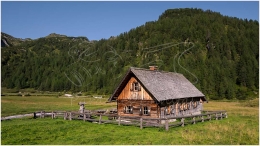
x: 241, y: 126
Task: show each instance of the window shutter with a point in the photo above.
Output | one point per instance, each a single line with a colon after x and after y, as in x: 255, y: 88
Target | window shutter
x: 125, y: 109
x: 139, y: 87
x: 149, y: 111
x: 132, y: 87
x: 195, y: 104
x: 141, y: 110
x: 131, y: 110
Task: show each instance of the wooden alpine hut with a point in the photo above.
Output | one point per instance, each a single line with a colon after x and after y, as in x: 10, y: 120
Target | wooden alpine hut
x: 156, y: 94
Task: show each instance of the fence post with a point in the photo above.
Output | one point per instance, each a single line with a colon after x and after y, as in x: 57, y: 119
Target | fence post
x: 209, y: 116
x: 52, y: 114
x: 226, y: 114
x: 202, y: 119
x: 221, y: 116
x: 84, y: 117
x: 100, y: 117
x: 166, y: 125
x: 193, y: 120
x: 182, y: 121
x: 216, y: 116
x: 65, y: 115
x: 34, y: 115
x: 119, y: 120
x: 141, y: 123
x: 41, y: 115
x: 70, y: 116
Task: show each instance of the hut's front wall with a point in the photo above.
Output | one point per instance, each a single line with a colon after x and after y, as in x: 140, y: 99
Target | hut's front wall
x: 133, y: 108
x: 130, y: 93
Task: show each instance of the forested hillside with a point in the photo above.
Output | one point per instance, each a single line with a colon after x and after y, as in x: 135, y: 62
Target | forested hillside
x: 219, y: 54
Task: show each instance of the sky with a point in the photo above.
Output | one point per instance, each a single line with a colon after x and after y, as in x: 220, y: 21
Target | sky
x: 103, y: 19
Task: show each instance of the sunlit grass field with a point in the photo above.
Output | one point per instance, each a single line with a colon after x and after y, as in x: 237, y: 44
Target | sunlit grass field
x: 241, y: 126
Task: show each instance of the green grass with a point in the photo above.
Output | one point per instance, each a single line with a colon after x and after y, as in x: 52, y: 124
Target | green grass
x: 11, y: 105
x: 241, y: 126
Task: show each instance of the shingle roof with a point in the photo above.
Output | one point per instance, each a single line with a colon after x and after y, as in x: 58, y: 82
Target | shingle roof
x: 161, y: 85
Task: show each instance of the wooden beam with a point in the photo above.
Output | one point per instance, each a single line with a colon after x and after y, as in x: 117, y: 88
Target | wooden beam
x: 84, y: 117
x: 182, y: 121
x: 166, y: 125
x: 65, y: 115
x: 141, y: 123
x: 70, y: 116
x: 119, y: 119
x: 193, y: 120
x: 100, y: 117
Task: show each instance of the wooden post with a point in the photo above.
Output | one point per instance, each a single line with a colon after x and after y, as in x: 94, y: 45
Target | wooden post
x: 65, y: 115
x: 119, y: 120
x: 70, y: 116
x: 216, y: 116
x: 84, y: 117
x: 193, y: 120
x: 100, y: 117
x: 41, y: 115
x: 166, y: 125
x: 141, y: 123
x: 182, y: 121
x: 202, y: 119
x: 34, y: 115
x: 209, y: 116
x: 52, y: 115
x: 221, y: 115
x: 226, y: 114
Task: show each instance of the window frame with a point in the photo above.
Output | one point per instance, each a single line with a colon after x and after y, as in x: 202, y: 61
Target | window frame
x: 135, y: 86
x: 145, y: 110
x: 128, y: 109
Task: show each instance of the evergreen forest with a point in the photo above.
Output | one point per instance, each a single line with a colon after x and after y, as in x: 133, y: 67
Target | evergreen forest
x: 218, y: 54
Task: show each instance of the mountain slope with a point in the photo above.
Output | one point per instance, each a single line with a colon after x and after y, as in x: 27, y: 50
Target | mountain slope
x: 219, y: 54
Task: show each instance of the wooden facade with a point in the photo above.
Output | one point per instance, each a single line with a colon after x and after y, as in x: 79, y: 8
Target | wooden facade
x: 135, y: 101
x: 136, y: 97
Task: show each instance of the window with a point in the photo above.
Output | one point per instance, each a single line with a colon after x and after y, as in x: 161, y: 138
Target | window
x: 145, y: 111
x: 135, y: 86
x: 128, y: 109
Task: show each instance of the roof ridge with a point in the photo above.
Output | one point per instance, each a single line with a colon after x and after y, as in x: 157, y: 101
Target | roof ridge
x: 162, y: 71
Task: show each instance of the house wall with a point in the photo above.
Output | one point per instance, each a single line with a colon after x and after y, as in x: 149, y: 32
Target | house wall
x: 138, y: 106
x: 127, y: 94
x: 180, y: 107
x: 137, y: 100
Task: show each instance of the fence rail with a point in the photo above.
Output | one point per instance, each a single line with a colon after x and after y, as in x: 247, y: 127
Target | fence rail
x: 112, y: 118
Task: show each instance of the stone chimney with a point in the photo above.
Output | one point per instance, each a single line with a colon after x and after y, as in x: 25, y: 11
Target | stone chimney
x: 153, y: 67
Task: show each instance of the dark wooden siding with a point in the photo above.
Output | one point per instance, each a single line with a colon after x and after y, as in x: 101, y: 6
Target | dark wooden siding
x: 137, y: 105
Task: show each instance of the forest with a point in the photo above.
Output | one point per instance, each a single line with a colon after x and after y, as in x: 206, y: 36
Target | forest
x: 218, y: 54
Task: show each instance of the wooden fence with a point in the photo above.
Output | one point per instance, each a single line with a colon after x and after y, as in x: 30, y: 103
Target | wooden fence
x: 145, y: 121
x: 101, y: 117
